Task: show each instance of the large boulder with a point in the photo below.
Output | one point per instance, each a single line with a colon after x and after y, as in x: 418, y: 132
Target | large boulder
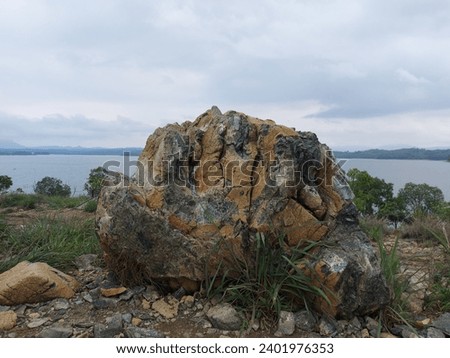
x: 34, y: 282
x: 204, y: 189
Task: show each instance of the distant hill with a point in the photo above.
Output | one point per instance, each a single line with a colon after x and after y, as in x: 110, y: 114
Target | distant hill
x: 9, y: 144
x: 20, y: 150
x: 405, y: 153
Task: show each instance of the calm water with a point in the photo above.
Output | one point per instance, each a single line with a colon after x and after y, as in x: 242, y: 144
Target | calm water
x: 74, y: 170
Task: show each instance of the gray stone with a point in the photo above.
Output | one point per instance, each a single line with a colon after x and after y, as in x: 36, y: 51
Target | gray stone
x: 112, y: 328
x: 128, y: 295
x: 327, y: 327
x: 104, y: 303
x: 56, y: 332
x: 371, y: 324
x: 225, y: 317
x: 86, y: 262
x: 355, y: 323
x: 127, y: 317
x: 61, y: 304
x: 443, y: 323
x: 286, y: 324
x: 137, y: 332
x: 434, y: 333
x: 305, y: 321
x: 408, y: 333
x: 87, y: 297
x: 37, y: 322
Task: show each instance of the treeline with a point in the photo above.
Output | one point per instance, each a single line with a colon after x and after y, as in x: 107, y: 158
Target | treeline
x: 405, y: 153
x: 374, y: 196
x: 71, y: 151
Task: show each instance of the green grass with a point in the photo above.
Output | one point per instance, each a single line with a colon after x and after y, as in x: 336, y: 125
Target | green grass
x: 32, y: 201
x: 56, y: 241
x: 271, y: 281
x: 91, y: 206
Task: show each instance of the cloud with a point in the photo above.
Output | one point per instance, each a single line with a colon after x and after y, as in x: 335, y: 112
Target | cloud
x: 74, y: 131
x: 409, y: 78
x: 162, y: 61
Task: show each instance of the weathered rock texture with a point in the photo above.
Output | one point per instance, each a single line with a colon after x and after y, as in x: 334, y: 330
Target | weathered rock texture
x: 34, y: 282
x: 203, y: 191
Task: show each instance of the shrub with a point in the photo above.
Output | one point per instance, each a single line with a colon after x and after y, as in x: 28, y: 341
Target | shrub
x: 95, y: 181
x: 5, y: 183
x: 426, y: 228
x: 52, y: 187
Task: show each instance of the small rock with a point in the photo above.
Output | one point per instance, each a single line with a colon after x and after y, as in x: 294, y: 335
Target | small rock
x: 224, y: 317
x: 327, y: 328
x: 408, y: 333
x: 37, y: 322
x: 85, y: 262
x: 166, y: 309
x: 8, y: 320
x: 305, y: 320
x: 136, y: 332
x: 443, y: 323
x: 113, y: 291
x: 34, y: 315
x: 136, y: 321
x: 56, y: 332
x: 103, y: 303
x: 126, y: 296
x: 127, y: 317
x: 112, y: 328
x: 146, y: 304
x: 87, y: 297
x: 151, y: 294
x: 4, y: 308
x: 189, y: 301
x: 371, y: 324
x: 365, y: 333
x: 61, y: 305
x: 434, y: 333
x: 423, y: 322
x: 286, y: 324
x: 355, y: 324
x: 387, y: 335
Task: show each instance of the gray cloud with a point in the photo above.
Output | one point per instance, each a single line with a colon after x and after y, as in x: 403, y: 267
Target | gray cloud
x: 361, y: 61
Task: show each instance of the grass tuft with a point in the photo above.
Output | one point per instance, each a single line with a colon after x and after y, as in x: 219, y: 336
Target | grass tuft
x: 274, y: 279
x: 55, y: 241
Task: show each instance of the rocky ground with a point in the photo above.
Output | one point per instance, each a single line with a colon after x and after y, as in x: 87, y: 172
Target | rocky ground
x: 103, y: 308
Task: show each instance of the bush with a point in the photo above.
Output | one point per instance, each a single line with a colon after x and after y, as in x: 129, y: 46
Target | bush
x: 5, y: 183
x: 374, y: 226
x: 95, y: 181
x: 425, y: 228
x: 52, y: 187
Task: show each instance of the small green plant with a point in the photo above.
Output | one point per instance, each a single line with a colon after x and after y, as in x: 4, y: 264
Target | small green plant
x: 439, y: 297
x: 90, y: 206
x: 274, y: 279
x: 55, y: 241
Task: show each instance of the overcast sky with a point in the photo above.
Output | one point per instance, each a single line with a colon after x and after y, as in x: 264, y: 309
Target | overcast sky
x: 359, y: 73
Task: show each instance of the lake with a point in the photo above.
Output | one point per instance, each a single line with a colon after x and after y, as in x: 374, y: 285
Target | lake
x: 74, y: 170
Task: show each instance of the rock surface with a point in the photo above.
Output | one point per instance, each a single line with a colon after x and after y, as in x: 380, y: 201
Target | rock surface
x: 8, y: 320
x: 205, y: 189
x: 34, y: 282
x: 224, y: 316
